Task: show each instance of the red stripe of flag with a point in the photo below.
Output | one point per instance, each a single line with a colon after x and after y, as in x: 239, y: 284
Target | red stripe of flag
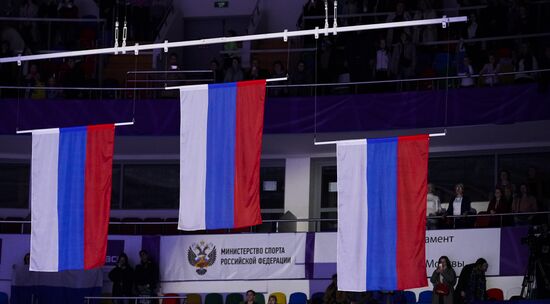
x: 412, y: 175
x: 97, y: 193
x: 248, y: 147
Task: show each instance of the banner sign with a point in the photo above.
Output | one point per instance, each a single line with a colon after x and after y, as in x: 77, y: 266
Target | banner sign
x: 114, y: 249
x: 462, y: 246
x: 233, y: 257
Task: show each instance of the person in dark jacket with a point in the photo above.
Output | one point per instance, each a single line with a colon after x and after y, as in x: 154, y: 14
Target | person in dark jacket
x: 460, y: 205
x: 146, y: 275
x: 469, y: 284
x: 122, y: 277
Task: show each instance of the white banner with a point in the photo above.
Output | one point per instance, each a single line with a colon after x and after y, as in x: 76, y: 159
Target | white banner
x: 232, y: 257
x: 461, y: 246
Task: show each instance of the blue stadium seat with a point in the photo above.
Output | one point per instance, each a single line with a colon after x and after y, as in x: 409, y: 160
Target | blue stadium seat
x: 410, y: 297
x: 425, y: 297
x: 3, y: 298
x: 298, y: 298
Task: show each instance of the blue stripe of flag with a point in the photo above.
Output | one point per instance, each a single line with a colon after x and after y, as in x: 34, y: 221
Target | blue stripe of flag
x: 382, y: 213
x: 70, y: 197
x: 220, y: 155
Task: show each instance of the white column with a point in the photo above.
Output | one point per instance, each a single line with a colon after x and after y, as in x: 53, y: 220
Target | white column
x: 297, y: 181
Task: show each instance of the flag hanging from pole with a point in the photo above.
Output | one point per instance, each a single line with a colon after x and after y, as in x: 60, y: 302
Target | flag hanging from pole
x: 382, y: 186
x: 220, y: 147
x: 71, y: 178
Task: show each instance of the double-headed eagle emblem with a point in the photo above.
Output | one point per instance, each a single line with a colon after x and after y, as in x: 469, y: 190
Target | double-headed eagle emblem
x: 201, y: 256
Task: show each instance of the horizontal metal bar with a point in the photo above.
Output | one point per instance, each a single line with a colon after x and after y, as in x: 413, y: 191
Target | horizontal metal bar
x: 315, y: 219
x: 167, y: 80
x: 347, y: 16
x: 270, y: 51
x: 267, y: 80
x: 284, y: 34
x: 350, y: 141
x: 118, y: 124
x: 169, y: 72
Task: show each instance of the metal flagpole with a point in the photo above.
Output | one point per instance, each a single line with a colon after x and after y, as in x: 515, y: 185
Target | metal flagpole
x: 194, y: 85
x: 118, y: 124
x: 444, y: 21
x: 333, y: 142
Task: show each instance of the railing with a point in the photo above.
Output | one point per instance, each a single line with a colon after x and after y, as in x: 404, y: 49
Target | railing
x: 452, y: 222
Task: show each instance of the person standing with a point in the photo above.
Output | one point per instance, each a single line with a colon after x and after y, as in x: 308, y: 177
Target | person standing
x: 444, y: 280
x: 146, y: 275
x: 464, y: 288
x: 122, y: 277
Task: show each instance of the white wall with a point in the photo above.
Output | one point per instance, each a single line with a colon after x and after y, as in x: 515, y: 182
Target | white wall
x: 297, y: 178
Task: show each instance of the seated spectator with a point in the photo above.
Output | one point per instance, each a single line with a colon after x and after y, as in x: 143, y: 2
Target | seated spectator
x: 272, y: 300
x: 444, y: 279
x: 460, y: 205
x: 434, y: 206
x: 146, y: 275
x: 491, y: 69
x: 235, y: 72
x: 333, y: 295
x: 526, y: 62
x: 498, y: 204
x: 122, y: 277
x: 467, y: 71
x: 250, y: 297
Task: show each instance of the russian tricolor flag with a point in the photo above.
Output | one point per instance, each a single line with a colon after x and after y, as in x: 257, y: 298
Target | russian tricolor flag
x: 71, y: 174
x: 220, y: 147
x: 382, y: 187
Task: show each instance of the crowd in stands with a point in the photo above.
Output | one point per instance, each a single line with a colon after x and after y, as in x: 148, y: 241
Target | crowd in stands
x: 507, y: 197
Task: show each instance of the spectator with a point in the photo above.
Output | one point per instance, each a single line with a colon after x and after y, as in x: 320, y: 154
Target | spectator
x: 53, y: 93
x: 272, y: 300
x: 393, y: 35
x: 491, y: 69
x: 382, y: 61
x: 545, y: 64
x: 505, y: 181
x: 256, y: 72
x: 235, y: 72
x: 466, y: 72
x: 463, y: 288
x: 525, y: 202
x: 460, y: 205
x: 535, y: 184
x: 278, y: 72
x: 250, y: 297
x: 471, y: 30
x: 217, y: 73
x: 444, y: 280
x: 498, y: 204
x: 526, y: 62
x: 434, y: 206
x: 477, y: 285
x: 146, y: 275
x: 122, y: 277
x: 427, y: 33
x: 301, y: 76
x: 402, y: 63
x: 28, y: 28
x: 231, y: 50
x: 333, y: 295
